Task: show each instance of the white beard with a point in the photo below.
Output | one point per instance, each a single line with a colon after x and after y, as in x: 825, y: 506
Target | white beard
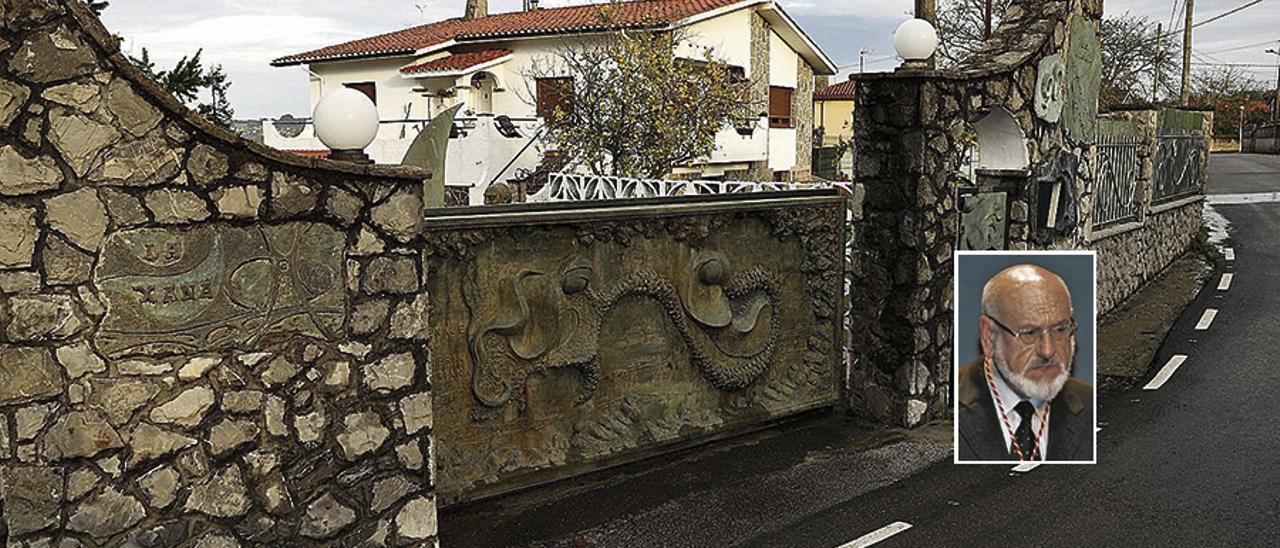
x: 1028, y: 388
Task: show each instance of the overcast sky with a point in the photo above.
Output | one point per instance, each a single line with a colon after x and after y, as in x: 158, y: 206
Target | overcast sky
x: 245, y: 35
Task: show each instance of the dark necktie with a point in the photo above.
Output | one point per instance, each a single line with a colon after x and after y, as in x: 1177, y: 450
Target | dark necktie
x: 1023, y: 435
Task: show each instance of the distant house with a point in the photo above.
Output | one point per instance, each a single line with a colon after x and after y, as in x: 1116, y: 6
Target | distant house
x: 833, y: 106
x: 481, y: 61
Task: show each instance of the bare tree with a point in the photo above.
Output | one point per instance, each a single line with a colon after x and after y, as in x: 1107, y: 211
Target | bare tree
x: 633, y: 107
x: 1131, y: 49
x: 961, y: 24
x: 1225, y: 89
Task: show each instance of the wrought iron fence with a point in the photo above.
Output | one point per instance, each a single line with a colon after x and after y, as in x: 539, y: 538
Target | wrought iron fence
x: 577, y: 186
x: 563, y: 187
x: 1119, y: 165
x: 1179, y: 157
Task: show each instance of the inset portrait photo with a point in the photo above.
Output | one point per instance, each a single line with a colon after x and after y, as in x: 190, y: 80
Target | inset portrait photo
x: 1023, y: 382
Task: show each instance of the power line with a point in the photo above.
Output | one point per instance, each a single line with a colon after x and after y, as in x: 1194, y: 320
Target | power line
x: 1236, y: 65
x: 1219, y: 16
x: 1250, y: 46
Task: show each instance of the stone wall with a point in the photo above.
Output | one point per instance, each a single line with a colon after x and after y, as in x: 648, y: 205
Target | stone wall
x: 919, y: 136
x: 802, y: 110
x: 1131, y: 255
x: 912, y: 131
x: 202, y: 341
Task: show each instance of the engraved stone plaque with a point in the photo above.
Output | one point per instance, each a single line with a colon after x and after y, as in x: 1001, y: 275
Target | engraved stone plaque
x: 175, y: 290
x: 1050, y: 86
x: 983, y: 224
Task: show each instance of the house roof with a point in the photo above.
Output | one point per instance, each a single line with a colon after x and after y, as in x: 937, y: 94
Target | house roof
x: 584, y: 18
x: 559, y: 21
x: 457, y: 62
x: 842, y: 91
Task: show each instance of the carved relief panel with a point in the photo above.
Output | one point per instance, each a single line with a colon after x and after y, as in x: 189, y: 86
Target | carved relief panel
x: 570, y: 343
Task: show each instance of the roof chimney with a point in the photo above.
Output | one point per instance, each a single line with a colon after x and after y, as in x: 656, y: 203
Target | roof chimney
x: 530, y: 5
x: 476, y: 9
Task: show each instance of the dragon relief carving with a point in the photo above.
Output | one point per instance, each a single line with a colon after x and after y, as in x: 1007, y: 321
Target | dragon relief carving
x: 549, y: 320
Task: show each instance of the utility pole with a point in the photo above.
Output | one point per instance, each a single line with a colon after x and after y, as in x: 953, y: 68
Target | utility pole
x: 1241, y: 147
x: 986, y: 31
x: 928, y: 10
x: 1275, y: 108
x: 1155, y: 84
x: 1186, y: 54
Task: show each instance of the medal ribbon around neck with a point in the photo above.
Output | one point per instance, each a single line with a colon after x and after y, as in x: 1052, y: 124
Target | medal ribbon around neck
x: 1004, y: 417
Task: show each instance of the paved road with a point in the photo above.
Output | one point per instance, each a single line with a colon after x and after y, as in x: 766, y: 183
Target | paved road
x: 1195, y: 463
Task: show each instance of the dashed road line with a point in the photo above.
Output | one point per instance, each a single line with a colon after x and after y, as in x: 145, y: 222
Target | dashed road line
x: 1229, y: 253
x: 1026, y: 467
x: 1225, y: 283
x: 1166, y: 372
x: 1206, y: 319
x: 877, y: 535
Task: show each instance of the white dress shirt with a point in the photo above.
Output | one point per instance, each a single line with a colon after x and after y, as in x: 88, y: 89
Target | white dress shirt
x: 1011, y: 399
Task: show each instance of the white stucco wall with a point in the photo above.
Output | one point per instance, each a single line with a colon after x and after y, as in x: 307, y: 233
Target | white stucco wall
x: 729, y: 36
x: 782, y: 149
x: 394, y: 93
x: 783, y: 62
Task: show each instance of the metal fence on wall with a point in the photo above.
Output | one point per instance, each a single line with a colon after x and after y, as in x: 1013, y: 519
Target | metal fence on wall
x: 1119, y: 165
x: 1179, y: 157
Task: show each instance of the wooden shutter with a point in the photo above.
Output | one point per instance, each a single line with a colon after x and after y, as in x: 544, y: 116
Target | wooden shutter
x: 554, y: 93
x: 368, y: 88
x: 779, y: 107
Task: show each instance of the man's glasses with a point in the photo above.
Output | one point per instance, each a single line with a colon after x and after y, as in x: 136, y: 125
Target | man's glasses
x: 1028, y: 337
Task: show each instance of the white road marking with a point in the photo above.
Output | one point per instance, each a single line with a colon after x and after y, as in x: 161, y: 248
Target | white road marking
x: 1026, y: 467
x: 1165, y: 372
x: 1225, y: 283
x: 1229, y: 253
x: 1250, y: 198
x: 1206, y: 319
x: 877, y: 535
x: 1097, y: 429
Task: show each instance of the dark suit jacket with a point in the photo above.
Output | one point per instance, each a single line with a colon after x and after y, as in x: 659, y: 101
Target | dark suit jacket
x: 1070, y: 420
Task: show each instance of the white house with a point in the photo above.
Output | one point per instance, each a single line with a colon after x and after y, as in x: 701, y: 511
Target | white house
x: 482, y: 61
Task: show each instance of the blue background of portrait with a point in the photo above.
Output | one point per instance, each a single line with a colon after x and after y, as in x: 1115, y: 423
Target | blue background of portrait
x: 1076, y: 270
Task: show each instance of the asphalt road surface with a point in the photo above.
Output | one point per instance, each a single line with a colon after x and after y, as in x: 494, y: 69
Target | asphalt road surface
x: 1193, y: 463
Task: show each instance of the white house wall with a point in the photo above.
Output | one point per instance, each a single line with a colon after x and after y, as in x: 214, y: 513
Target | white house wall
x: 783, y: 63
x: 394, y: 92
x: 782, y: 149
x: 728, y: 35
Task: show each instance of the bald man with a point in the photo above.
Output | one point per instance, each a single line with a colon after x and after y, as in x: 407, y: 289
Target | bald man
x: 1019, y: 401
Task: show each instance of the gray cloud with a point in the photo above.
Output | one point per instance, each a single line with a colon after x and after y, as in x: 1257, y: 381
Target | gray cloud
x: 244, y: 36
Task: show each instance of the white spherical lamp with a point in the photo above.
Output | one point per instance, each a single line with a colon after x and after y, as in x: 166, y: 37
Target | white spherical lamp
x: 346, y: 122
x: 915, y: 40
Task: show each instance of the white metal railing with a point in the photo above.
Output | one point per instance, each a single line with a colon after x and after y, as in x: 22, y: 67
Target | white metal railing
x: 566, y: 187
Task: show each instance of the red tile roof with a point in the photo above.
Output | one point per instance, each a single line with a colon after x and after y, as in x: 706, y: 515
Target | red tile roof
x: 843, y: 90
x: 458, y: 61
x: 565, y: 20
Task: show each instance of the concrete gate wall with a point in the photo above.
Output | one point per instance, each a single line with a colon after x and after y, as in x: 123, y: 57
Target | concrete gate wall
x: 202, y: 340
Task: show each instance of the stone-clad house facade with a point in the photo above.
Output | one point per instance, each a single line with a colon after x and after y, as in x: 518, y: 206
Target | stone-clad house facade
x: 203, y: 341
x: 483, y: 62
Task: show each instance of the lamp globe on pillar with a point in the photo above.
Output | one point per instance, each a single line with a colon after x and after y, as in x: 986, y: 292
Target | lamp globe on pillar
x: 915, y: 41
x: 346, y: 122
